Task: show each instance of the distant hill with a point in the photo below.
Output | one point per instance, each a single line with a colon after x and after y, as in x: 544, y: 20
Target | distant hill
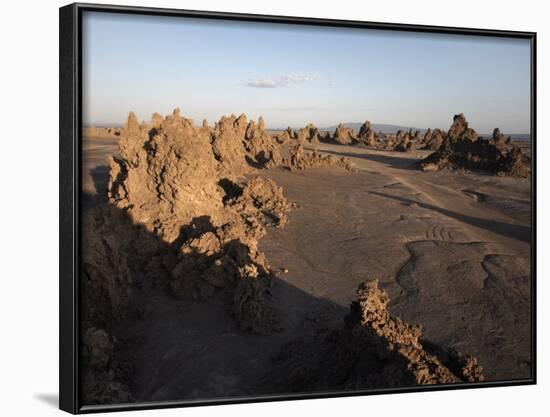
x: 386, y: 128
x: 515, y: 136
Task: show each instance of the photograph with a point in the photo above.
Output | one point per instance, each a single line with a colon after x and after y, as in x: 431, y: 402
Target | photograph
x: 271, y: 209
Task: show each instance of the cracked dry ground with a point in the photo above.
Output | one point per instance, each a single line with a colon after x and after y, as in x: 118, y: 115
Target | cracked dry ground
x: 451, y: 249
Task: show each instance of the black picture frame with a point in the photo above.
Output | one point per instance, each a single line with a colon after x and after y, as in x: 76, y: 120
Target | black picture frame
x: 70, y: 123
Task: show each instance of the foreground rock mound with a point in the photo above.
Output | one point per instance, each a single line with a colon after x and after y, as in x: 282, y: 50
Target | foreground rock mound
x: 106, y: 292
x: 176, y: 181
x: 211, y: 257
x: 175, y: 217
x: 168, y: 173
x: 372, y: 350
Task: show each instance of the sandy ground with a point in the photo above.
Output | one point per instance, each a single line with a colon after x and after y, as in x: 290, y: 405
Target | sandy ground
x: 95, y: 163
x: 451, y: 248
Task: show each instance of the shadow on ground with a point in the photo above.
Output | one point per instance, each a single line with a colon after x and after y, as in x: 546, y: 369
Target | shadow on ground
x: 51, y: 400
x: 394, y: 162
x: 513, y: 231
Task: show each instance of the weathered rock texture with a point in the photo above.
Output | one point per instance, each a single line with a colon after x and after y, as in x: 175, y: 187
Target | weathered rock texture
x: 433, y: 140
x: 498, y: 137
x: 459, y: 129
x: 366, y: 134
x: 300, y: 159
x: 415, y: 135
x: 175, y: 180
x: 344, y: 135
x: 213, y: 256
x: 462, y: 149
x: 403, y: 142
x: 106, y: 290
x: 373, y: 350
x: 168, y: 174
x: 309, y: 134
x: 176, y: 218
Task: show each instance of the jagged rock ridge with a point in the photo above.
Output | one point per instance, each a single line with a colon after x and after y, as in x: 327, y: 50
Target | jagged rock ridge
x: 372, y: 350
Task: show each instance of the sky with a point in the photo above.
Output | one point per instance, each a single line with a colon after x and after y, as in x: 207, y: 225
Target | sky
x: 293, y: 75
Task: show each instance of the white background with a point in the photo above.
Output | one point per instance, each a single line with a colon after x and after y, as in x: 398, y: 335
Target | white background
x: 29, y: 204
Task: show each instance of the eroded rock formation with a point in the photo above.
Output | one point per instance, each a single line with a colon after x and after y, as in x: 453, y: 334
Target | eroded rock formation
x: 176, y: 181
x: 462, y: 149
x: 176, y: 217
x: 498, y: 137
x: 344, y: 135
x: 433, y: 140
x: 459, y: 129
x: 309, y: 134
x: 106, y: 290
x: 366, y: 134
x: 373, y: 350
x: 300, y: 160
x: 403, y: 142
x: 480, y: 154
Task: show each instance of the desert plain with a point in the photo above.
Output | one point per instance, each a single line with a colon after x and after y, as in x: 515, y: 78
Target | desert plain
x: 221, y: 260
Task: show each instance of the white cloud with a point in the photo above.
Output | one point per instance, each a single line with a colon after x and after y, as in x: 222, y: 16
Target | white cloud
x: 281, y: 80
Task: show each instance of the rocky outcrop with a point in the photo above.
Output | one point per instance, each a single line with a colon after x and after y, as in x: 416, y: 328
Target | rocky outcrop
x: 159, y: 168
x: 372, y: 350
x: 370, y: 318
x: 498, y: 137
x: 291, y: 133
x: 300, y: 160
x: 176, y: 181
x: 226, y: 255
x: 262, y: 150
x: 434, y: 140
x: 462, y: 149
x: 481, y: 154
x: 344, y: 135
x: 403, y: 142
x: 366, y: 134
x: 176, y: 217
x: 459, y: 129
x: 103, y: 375
x: 309, y: 134
x: 415, y: 135
x: 106, y: 290
x: 427, y: 135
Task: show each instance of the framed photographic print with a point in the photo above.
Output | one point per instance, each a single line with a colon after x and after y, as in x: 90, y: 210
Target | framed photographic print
x: 259, y: 208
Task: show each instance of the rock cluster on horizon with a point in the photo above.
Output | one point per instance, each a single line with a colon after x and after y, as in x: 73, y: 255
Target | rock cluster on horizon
x: 463, y: 149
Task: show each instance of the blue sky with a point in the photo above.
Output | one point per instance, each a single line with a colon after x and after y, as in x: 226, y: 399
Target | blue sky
x: 293, y: 75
